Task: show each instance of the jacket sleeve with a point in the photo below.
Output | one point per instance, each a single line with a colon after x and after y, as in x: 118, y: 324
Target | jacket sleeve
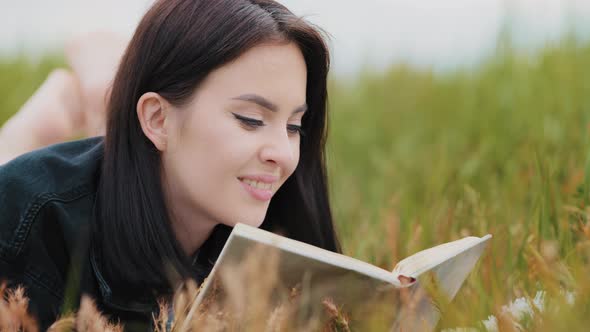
x: 24, y: 258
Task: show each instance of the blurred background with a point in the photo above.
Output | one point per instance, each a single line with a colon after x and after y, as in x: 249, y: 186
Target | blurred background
x: 448, y: 118
x: 371, y: 33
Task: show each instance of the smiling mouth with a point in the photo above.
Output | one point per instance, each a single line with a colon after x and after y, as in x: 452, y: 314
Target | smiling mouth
x: 257, y: 184
x: 258, y: 190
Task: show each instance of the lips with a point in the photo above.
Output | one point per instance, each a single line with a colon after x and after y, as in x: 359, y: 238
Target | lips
x: 259, y: 187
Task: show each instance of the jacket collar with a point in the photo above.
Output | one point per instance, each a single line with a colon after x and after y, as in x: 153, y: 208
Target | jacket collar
x: 139, y: 303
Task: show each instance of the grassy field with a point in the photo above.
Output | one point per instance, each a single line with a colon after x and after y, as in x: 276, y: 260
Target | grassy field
x: 417, y: 158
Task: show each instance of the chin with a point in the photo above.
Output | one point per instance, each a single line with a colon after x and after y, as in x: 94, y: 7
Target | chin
x: 253, y: 221
x: 254, y: 217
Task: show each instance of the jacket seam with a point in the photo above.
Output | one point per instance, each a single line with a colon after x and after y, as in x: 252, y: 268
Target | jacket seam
x: 23, y: 229
x: 32, y: 211
x: 41, y: 283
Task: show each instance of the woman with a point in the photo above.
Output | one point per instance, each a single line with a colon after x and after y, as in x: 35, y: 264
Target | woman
x: 217, y: 115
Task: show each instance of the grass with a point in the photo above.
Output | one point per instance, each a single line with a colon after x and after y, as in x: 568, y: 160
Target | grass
x: 417, y: 158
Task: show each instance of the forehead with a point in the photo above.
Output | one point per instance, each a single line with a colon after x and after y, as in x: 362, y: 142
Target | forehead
x: 274, y: 71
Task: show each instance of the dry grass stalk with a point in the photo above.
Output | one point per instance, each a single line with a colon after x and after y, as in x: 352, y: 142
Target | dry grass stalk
x: 338, y: 321
x: 182, y: 304
x: 245, y: 299
x: 13, y: 311
x: 64, y: 324
x: 188, y: 316
x: 413, y: 244
x: 161, y: 321
x: 248, y: 291
x: 242, y: 299
x: 507, y: 322
x: 89, y: 319
x: 277, y: 320
x: 14, y: 315
x: 281, y: 317
x: 393, y: 234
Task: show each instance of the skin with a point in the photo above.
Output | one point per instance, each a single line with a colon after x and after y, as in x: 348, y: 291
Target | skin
x: 70, y: 103
x: 207, y: 148
x: 50, y: 116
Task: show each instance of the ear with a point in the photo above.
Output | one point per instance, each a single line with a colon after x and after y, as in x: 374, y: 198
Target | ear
x: 152, y: 112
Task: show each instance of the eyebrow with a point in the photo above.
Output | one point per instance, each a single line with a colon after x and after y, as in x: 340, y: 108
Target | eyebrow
x: 261, y: 101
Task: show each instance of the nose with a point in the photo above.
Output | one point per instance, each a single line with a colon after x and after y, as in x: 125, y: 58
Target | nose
x: 280, y: 149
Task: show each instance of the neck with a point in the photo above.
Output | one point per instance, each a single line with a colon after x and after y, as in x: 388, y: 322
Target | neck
x: 190, y: 232
x: 191, y: 236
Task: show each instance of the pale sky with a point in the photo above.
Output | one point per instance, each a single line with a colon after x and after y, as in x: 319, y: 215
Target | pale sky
x: 437, y: 33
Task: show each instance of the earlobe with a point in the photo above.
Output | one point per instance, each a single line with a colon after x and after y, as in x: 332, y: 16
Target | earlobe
x: 152, y: 111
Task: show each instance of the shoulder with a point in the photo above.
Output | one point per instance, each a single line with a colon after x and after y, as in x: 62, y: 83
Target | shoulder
x: 54, y: 166
x: 58, y: 175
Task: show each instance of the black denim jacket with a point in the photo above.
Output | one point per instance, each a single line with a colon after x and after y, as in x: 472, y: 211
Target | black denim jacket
x: 47, y: 200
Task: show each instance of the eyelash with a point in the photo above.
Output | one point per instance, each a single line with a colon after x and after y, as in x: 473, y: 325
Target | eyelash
x: 253, y: 123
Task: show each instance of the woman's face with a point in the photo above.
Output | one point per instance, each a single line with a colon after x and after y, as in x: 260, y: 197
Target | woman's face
x: 231, y: 148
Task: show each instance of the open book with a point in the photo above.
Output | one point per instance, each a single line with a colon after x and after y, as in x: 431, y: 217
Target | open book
x: 405, y: 299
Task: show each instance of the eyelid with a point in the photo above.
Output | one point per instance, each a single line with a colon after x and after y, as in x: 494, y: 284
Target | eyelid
x: 259, y: 123
x: 297, y: 128
x: 247, y: 120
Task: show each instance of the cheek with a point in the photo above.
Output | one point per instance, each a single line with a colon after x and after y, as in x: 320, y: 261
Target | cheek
x: 292, y: 166
x: 217, y: 155
x: 296, y: 153
x: 205, y: 153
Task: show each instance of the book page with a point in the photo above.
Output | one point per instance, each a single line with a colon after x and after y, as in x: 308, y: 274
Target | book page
x: 443, y: 268
x: 427, y: 259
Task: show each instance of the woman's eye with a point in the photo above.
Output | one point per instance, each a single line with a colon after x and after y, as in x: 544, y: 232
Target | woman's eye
x: 249, y: 121
x: 295, y: 129
x: 254, y: 123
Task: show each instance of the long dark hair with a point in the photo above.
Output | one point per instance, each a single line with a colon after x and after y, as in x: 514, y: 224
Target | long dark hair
x: 176, y: 45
